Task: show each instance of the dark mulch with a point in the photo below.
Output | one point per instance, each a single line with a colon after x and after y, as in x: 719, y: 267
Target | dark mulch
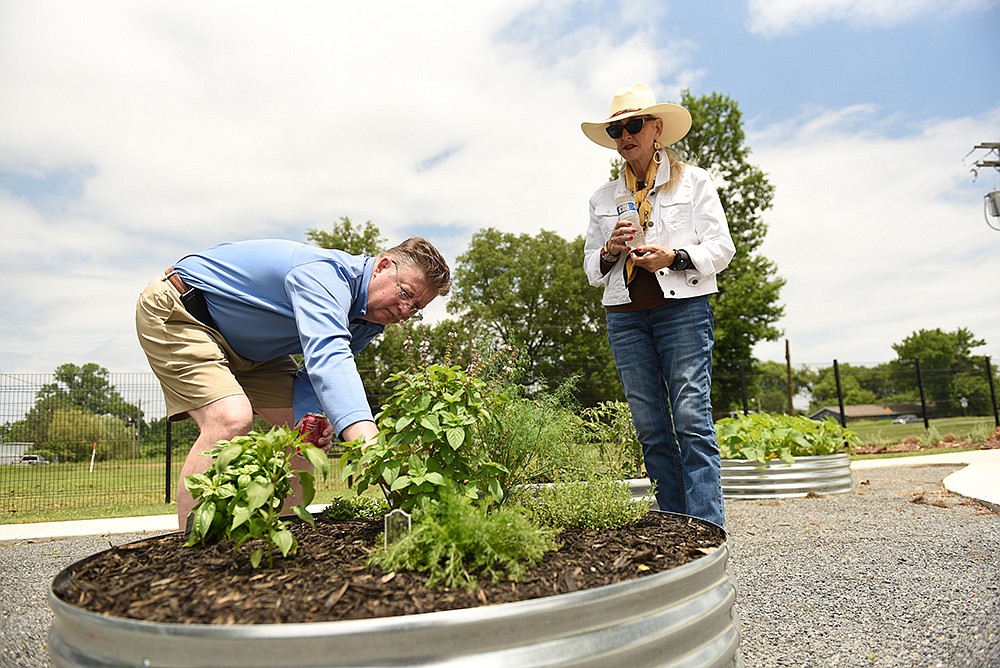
x: 159, y: 580
x: 915, y: 444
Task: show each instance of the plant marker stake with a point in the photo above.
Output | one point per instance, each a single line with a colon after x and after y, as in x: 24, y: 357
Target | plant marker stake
x: 397, y: 525
x: 93, y: 453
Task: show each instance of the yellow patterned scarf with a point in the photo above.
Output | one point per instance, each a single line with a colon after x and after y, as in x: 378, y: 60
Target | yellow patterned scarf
x: 643, y: 205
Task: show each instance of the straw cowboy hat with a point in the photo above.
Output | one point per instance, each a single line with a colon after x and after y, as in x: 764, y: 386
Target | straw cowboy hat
x: 638, y: 100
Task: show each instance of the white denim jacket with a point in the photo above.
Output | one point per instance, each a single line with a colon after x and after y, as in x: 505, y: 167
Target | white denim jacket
x: 691, y: 217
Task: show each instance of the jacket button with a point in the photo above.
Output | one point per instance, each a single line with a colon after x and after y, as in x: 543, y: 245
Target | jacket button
x: 662, y: 273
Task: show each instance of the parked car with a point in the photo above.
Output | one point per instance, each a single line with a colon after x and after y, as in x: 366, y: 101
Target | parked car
x: 31, y: 460
x: 904, y: 419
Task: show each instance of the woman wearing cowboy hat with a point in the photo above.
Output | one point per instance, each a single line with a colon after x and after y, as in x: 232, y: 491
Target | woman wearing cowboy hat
x: 660, y: 323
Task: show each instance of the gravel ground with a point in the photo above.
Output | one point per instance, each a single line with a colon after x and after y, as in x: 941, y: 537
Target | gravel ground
x: 900, y: 573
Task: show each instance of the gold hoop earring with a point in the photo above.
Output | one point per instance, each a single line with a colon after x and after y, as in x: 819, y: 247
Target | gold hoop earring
x: 657, y: 156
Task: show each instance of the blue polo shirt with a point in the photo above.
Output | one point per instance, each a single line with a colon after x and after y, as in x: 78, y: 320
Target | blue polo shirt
x: 271, y: 297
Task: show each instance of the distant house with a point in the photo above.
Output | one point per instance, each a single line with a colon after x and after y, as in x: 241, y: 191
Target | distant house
x: 868, y: 412
x: 11, y: 452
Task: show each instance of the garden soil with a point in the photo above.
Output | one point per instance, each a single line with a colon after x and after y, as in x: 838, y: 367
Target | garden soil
x: 160, y: 580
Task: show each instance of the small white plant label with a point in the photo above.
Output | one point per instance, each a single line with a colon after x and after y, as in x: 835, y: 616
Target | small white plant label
x: 397, y: 525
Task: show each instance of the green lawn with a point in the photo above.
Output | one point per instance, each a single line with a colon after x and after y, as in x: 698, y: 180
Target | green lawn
x: 883, y: 432
x: 57, y: 492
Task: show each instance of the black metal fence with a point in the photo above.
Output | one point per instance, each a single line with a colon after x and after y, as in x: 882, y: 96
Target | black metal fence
x: 103, y: 441
x: 107, y: 445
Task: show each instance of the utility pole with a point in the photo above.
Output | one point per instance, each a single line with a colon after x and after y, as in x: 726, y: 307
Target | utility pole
x: 791, y: 383
x: 991, y: 203
x: 994, y: 161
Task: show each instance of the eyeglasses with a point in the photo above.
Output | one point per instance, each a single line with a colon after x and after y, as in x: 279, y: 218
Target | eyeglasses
x: 404, y: 296
x: 633, y: 125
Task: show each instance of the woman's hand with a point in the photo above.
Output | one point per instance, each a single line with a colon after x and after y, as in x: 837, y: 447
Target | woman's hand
x: 620, y: 236
x: 652, y: 258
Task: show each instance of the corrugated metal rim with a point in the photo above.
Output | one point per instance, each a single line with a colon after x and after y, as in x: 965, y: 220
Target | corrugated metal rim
x: 681, y: 617
x: 819, y: 474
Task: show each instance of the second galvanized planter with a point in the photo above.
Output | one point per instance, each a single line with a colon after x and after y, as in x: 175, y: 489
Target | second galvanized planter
x: 818, y: 474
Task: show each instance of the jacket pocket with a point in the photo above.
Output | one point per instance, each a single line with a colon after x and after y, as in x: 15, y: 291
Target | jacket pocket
x: 608, y: 217
x: 676, y: 215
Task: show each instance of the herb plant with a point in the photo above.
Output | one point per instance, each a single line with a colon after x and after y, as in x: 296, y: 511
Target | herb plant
x: 241, y: 496
x: 359, y: 507
x: 593, y: 504
x: 427, y: 437
x: 762, y: 437
x: 455, y: 541
x: 612, y: 431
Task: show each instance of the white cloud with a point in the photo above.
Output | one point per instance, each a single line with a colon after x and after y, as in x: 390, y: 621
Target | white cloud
x: 773, y: 17
x: 199, y: 123
x: 194, y: 123
x: 877, y: 235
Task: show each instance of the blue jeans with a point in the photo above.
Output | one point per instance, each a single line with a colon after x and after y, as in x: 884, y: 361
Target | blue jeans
x: 664, y: 360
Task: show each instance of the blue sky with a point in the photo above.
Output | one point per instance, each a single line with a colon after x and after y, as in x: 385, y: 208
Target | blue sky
x: 932, y: 64
x: 132, y: 133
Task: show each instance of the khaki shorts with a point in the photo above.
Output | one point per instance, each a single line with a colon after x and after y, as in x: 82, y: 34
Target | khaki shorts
x: 195, y: 365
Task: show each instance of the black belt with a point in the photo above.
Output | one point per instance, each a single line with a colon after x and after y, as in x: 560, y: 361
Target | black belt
x: 192, y: 298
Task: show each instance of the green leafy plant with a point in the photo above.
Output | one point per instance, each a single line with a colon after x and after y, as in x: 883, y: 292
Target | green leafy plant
x: 455, y: 540
x: 540, y: 438
x: 362, y: 507
x: 762, y: 437
x: 593, y: 504
x: 427, y: 437
x: 240, y: 497
x: 612, y: 431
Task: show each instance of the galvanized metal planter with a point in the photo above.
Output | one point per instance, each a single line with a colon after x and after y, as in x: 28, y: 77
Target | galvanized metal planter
x: 819, y: 474
x: 680, y: 617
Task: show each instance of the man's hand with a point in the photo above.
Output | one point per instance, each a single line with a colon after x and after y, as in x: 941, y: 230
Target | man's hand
x: 364, y: 429
x: 326, y: 438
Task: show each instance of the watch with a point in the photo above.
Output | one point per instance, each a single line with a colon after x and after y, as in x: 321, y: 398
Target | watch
x: 608, y: 257
x: 681, y: 261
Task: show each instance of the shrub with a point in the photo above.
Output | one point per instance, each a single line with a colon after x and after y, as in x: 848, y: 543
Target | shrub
x: 762, y: 437
x: 612, y: 431
x: 539, y: 438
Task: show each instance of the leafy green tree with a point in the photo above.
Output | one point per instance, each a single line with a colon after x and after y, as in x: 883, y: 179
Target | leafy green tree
x: 74, y: 433
x: 182, y: 435
x: 88, y: 388
x: 34, y: 426
x: 767, y: 386
x: 81, y: 407
x: 948, y: 368
x: 346, y: 236
x: 531, y: 291
x: 747, y: 306
x: 824, y: 390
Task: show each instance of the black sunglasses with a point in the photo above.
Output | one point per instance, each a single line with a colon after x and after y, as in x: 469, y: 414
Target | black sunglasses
x: 633, y: 125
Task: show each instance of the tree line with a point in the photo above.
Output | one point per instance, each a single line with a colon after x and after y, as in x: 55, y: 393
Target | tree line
x: 956, y: 381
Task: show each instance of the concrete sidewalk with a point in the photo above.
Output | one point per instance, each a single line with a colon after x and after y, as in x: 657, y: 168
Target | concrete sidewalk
x: 980, y: 480
x: 153, y: 524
